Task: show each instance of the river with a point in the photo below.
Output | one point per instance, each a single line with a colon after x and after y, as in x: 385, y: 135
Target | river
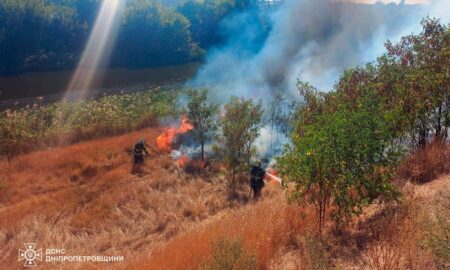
x: 23, y: 89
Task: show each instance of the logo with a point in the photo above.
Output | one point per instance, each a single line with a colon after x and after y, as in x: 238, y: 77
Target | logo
x: 30, y: 255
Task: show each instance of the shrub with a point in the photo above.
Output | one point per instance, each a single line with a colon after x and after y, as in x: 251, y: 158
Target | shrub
x: 341, y: 161
x: 229, y: 255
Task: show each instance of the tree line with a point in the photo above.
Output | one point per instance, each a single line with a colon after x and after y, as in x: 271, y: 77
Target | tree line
x: 38, y: 35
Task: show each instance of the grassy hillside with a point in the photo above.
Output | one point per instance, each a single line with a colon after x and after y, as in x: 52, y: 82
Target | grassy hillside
x: 88, y: 199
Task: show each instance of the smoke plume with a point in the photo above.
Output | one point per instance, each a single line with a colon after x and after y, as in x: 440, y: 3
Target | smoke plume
x: 304, y: 39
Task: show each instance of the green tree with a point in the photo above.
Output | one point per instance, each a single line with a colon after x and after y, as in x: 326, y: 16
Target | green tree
x: 152, y: 34
x: 413, y: 80
x: 36, y: 35
x: 205, y: 17
x: 202, y: 116
x: 240, y: 125
x: 343, y: 159
x: 421, y: 80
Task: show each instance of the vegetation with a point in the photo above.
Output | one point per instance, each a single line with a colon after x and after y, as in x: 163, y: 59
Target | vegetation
x: 426, y: 164
x: 229, y: 254
x: 342, y: 159
x: 316, y: 253
x: 346, y: 143
x: 51, y: 34
x: 152, y: 34
x: 413, y: 79
x: 205, y: 17
x: 438, y: 236
x: 202, y: 116
x: 65, y: 122
x: 239, y: 126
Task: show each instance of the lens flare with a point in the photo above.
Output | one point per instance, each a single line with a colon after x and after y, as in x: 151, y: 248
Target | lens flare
x: 97, y: 51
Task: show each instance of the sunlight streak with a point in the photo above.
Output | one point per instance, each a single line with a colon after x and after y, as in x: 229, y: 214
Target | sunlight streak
x: 97, y: 51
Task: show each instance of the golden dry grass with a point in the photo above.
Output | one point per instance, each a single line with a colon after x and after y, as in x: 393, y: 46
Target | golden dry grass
x: 427, y: 164
x: 266, y: 228
x: 88, y: 199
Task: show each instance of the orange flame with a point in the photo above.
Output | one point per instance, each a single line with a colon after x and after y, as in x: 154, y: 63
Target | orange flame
x: 185, y: 125
x: 181, y: 162
x: 165, y: 140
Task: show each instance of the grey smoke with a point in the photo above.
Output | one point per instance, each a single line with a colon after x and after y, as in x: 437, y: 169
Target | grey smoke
x: 309, y: 40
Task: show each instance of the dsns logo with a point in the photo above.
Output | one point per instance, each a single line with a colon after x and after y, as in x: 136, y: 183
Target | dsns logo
x: 30, y: 255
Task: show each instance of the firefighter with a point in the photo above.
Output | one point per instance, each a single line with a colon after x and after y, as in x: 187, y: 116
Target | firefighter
x: 257, y: 175
x: 139, y: 149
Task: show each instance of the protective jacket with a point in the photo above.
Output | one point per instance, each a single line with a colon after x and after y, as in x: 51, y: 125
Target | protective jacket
x: 139, y: 150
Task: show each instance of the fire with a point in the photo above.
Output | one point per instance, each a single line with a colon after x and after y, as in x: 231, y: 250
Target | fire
x: 185, y: 125
x: 181, y: 162
x: 165, y: 140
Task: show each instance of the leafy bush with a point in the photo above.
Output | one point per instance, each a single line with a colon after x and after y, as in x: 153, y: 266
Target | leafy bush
x: 230, y: 255
x: 340, y: 160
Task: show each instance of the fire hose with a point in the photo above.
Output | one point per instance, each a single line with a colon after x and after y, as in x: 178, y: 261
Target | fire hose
x: 274, y: 177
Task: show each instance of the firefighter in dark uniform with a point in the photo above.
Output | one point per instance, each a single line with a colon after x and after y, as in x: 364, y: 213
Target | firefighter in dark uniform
x: 139, y: 149
x: 257, y: 175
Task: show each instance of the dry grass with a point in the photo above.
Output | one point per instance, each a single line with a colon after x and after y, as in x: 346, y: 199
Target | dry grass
x: 392, y: 236
x: 425, y: 165
x: 88, y: 199
x: 387, y: 236
x: 265, y: 228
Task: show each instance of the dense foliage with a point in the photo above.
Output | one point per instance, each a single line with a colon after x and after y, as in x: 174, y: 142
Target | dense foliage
x: 205, y: 17
x: 51, y: 34
x: 413, y: 79
x: 346, y: 143
x: 64, y: 122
